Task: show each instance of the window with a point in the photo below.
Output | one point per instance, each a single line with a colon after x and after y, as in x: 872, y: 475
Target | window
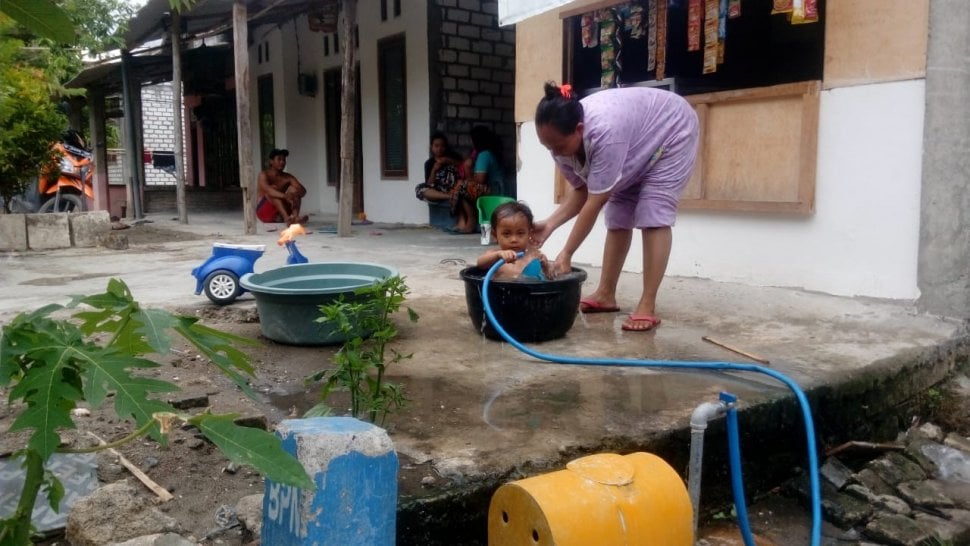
x: 393, y: 106
x: 331, y: 105
x: 757, y: 99
x: 267, y: 118
x: 609, y: 47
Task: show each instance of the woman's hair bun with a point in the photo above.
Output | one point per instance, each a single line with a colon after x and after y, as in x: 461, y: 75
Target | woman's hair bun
x: 552, y: 90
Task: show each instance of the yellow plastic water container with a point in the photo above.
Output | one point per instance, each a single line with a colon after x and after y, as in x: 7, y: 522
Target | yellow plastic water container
x: 601, y: 500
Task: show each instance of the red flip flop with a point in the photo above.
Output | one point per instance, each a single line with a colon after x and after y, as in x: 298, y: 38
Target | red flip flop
x: 640, y: 323
x: 588, y: 305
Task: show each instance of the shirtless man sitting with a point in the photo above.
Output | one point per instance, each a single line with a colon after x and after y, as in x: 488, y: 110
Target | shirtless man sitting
x: 280, y: 193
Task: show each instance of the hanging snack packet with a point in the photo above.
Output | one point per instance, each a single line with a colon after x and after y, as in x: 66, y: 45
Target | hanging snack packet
x: 661, y: 39
x: 651, y: 34
x: 781, y: 6
x: 695, y: 18
x: 807, y: 12
x: 590, y: 34
x: 634, y: 22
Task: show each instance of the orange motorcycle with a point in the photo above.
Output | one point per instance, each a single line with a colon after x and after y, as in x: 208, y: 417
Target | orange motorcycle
x: 69, y: 189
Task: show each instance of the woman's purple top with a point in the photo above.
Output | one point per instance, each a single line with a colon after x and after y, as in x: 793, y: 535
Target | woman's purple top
x: 626, y: 131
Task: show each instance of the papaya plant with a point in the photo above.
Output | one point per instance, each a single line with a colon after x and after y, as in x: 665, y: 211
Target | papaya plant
x: 93, y: 349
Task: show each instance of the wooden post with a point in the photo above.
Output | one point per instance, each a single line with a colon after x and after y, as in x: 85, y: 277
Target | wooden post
x: 348, y: 113
x: 99, y: 147
x: 244, y: 129
x: 132, y: 151
x: 139, y: 122
x: 177, y: 116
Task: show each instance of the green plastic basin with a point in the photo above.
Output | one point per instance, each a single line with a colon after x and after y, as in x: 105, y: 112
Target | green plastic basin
x: 288, y: 298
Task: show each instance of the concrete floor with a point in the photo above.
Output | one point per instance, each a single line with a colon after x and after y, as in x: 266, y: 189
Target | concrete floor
x: 860, y: 360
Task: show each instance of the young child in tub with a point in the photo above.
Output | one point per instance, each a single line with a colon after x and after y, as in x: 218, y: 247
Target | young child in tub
x: 512, y: 227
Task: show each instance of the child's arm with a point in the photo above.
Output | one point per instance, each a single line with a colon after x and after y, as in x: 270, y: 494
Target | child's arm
x: 487, y: 260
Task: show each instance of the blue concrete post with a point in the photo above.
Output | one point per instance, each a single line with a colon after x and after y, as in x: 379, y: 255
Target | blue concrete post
x: 354, y: 466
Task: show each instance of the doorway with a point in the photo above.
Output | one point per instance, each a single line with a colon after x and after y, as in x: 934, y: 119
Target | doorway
x: 332, y: 86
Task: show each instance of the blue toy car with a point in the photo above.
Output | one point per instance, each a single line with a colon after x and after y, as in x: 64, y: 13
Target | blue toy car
x: 219, y: 275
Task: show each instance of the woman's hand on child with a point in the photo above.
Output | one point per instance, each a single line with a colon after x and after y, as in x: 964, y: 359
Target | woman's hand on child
x: 541, y: 233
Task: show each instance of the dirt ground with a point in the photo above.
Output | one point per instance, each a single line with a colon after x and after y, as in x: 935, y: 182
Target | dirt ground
x: 197, y: 473
x: 193, y: 470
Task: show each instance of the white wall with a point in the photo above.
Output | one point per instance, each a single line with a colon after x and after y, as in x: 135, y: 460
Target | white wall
x: 862, y: 239
x: 300, y: 120
x: 392, y: 200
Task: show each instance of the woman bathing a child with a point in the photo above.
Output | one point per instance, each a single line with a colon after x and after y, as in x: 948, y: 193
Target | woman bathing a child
x: 513, y: 229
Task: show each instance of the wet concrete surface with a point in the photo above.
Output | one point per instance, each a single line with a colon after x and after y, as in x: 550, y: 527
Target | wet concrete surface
x: 487, y: 413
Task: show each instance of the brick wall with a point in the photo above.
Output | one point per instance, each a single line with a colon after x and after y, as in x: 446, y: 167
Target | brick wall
x: 158, y: 127
x: 472, y: 65
x: 162, y: 199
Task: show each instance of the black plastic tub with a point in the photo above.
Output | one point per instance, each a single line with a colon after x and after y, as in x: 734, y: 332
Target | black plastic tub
x: 529, y: 310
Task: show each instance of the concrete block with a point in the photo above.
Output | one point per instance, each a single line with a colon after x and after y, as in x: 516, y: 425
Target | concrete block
x: 89, y: 228
x: 13, y: 232
x: 48, y: 231
x: 354, y: 467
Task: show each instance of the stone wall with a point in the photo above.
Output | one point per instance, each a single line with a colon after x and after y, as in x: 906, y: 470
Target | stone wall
x: 20, y: 232
x: 472, y: 74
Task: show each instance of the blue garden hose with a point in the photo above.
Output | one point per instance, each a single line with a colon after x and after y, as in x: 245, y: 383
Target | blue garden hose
x: 734, y: 459
x: 734, y: 451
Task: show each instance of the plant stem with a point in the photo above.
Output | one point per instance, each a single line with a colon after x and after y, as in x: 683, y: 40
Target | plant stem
x: 28, y: 496
x: 142, y: 430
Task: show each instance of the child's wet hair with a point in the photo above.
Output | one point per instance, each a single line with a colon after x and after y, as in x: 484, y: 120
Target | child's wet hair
x: 510, y: 209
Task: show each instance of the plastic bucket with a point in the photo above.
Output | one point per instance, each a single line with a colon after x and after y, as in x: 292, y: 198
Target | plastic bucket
x: 529, y: 310
x: 289, y: 298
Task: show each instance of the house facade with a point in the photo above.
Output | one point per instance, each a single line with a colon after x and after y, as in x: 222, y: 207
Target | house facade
x: 436, y: 65
x: 422, y: 66
x: 842, y: 177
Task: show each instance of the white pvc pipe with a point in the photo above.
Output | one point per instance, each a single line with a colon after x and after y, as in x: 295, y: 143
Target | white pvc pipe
x: 702, y: 414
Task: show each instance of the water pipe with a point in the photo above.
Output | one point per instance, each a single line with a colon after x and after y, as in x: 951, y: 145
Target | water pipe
x: 814, y: 484
x: 698, y: 424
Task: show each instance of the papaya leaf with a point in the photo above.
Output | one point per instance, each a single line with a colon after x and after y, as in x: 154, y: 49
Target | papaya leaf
x: 54, y: 490
x: 116, y: 296
x: 97, y: 321
x: 106, y: 370
x: 128, y: 338
x: 8, y: 358
x: 152, y: 324
x: 37, y: 313
x: 28, y: 332
x: 41, y: 16
x: 217, y: 347
x: 49, y: 398
x: 255, y: 447
x: 119, y: 289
